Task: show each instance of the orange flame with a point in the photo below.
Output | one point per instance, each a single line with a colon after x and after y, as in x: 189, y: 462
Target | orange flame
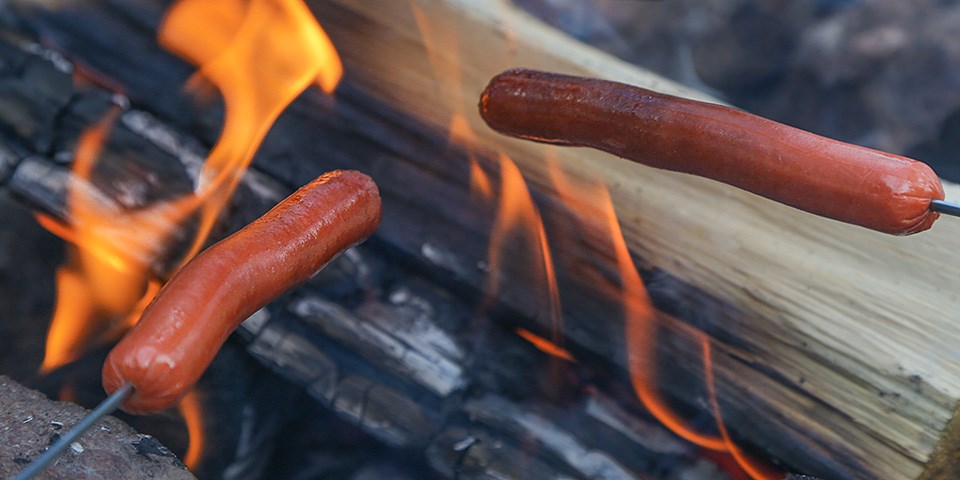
x: 193, y: 417
x: 68, y: 392
x: 481, y: 187
x: 439, y: 41
x: 106, y: 274
x: 642, y: 322
x: 545, y: 346
x: 518, y: 215
x: 67, y: 336
x: 113, y: 284
x: 756, y: 470
x: 261, y: 55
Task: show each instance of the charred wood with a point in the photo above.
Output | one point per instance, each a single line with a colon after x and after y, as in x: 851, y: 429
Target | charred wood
x: 828, y: 408
x: 399, y: 357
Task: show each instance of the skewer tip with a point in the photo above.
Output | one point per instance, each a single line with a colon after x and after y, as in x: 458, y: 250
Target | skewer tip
x: 944, y: 207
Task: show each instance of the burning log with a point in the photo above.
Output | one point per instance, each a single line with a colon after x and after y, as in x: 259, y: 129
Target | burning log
x: 401, y: 368
x: 834, y: 336
x: 398, y: 364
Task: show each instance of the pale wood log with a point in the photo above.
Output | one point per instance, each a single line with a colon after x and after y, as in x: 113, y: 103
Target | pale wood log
x: 843, y: 334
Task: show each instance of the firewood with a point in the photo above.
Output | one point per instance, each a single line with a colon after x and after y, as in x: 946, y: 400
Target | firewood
x: 838, y: 338
x: 400, y: 365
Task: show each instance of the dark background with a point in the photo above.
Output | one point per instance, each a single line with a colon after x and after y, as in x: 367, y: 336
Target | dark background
x: 879, y: 73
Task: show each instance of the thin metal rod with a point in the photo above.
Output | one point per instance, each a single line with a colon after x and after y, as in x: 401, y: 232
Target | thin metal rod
x: 105, y: 408
x: 945, y: 207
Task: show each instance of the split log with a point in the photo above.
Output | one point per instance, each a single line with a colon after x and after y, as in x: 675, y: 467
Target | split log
x: 398, y: 365
x: 839, y: 339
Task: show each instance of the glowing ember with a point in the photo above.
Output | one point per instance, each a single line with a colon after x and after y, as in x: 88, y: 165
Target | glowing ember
x: 545, y: 346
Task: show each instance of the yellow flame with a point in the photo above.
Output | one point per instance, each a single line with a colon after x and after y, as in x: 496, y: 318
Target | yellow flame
x: 108, y: 268
x: 260, y: 55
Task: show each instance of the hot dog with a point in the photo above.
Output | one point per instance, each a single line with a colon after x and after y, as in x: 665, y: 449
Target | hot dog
x: 181, y: 331
x: 853, y: 184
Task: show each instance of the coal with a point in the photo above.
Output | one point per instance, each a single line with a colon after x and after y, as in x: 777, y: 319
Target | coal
x: 30, y: 423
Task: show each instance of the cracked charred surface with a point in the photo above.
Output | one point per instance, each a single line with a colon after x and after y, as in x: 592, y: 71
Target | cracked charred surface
x: 388, y: 351
x: 310, y: 341
x: 30, y: 423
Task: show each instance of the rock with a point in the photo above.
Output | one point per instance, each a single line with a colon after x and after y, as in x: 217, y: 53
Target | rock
x: 30, y: 423
x: 878, y: 73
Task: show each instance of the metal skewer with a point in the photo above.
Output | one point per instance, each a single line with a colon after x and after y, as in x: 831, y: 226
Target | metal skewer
x: 106, y: 407
x: 945, y: 207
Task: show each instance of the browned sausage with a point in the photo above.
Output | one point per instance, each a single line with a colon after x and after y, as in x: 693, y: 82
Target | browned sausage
x: 838, y: 180
x: 182, y: 329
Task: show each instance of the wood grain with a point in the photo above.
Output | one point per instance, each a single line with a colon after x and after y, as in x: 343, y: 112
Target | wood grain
x: 846, y: 334
x: 834, y: 346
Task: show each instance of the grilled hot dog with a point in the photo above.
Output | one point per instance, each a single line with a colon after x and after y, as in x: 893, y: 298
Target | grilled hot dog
x: 192, y: 316
x: 853, y: 184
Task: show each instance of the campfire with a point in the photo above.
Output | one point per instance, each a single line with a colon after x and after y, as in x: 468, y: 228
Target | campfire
x: 522, y: 311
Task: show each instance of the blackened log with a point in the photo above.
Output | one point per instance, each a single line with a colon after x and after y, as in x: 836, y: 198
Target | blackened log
x: 772, y: 354
x: 478, y: 411
x: 391, y: 354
